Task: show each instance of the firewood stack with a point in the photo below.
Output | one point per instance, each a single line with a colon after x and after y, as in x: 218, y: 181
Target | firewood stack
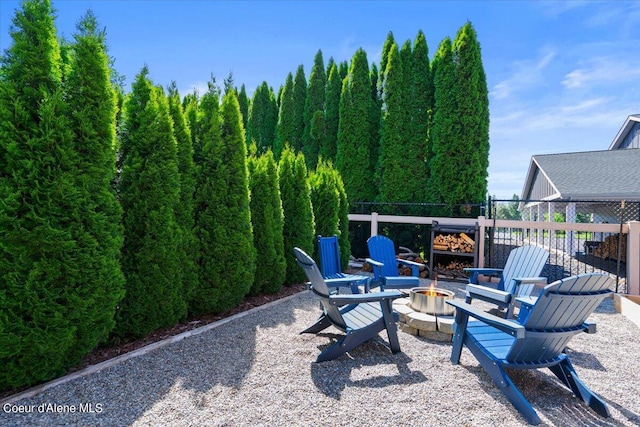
x: 454, y: 243
x: 411, y: 256
x: 609, y: 249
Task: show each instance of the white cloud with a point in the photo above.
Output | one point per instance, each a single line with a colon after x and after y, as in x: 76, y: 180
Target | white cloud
x: 526, y: 74
x: 603, y: 70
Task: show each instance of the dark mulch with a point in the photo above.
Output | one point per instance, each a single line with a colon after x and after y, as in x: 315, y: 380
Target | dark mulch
x: 101, y: 354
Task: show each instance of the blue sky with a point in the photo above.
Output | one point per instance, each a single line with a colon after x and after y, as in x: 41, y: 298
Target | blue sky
x: 562, y: 75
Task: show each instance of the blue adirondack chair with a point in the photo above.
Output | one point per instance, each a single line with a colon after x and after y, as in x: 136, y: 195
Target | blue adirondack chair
x: 329, y: 251
x: 517, y: 279
x: 360, y: 316
x: 537, y: 340
x: 382, y: 257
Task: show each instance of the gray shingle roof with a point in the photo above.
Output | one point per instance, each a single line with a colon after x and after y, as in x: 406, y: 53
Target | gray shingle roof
x: 608, y: 174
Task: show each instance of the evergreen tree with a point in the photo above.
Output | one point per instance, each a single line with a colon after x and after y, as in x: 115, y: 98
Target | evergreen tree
x: 92, y: 106
x: 243, y: 102
x: 227, y: 262
x: 343, y: 70
x: 421, y: 107
x: 190, y: 105
x: 268, y: 222
x: 343, y: 223
x: 285, y: 127
x: 44, y: 249
x: 384, y: 58
x: 325, y: 200
x: 331, y: 115
x: 314, y: 112
x: 263, y: 117
x: 298, y: 230
x: 472, y: 113
x: 444, y: 180
x: 355, y: 141
x: 299, y: 99
x: 150, y: 193
x: 185, y: 213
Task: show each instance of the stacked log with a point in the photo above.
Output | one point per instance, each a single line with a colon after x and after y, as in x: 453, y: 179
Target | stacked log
x: 454, y: 243
x: 609, y: 249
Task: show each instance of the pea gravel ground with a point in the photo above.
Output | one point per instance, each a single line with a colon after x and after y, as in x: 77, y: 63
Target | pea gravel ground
x: 255, y: 369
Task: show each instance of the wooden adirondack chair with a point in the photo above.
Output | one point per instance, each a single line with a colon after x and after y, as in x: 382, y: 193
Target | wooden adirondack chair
x: 361, y: 316
x: 518, y: 278
x: 537, y: 341
x: 329, y: 251
x: 382, y: 257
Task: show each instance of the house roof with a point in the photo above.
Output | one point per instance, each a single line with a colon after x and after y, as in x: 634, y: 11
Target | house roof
x: 589, y: 175
x: 624, y: 130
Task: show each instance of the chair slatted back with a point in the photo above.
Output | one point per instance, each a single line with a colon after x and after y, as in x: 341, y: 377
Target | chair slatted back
x: 525, y: 261
x: 318, y: 286
x: 329, y: 256
x: 558, y: 314
x: 381, y: 249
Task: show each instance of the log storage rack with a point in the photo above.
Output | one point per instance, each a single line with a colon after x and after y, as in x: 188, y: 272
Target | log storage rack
x: 453, y: 247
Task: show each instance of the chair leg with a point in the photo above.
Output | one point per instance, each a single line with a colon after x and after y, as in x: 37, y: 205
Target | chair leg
x: 321, y: 324
x: 390, y: 320
x: 459, y: 335
x: 565, y: 372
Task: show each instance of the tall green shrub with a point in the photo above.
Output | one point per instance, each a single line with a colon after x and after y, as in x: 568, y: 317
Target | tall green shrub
x: 299, y: 99
x: 45, y: 249
x: 263, y: 117
x: 227, y: 260
x: 150, y: 193
x: 298, y: 228
x: 355, y: 139
x: 325, y: 200
x: 343, y: 223
x: 329, y: 144
x: 91, y: 100
x: 286, y: 126
x: 267, y: 218
x: 314, y: 112
x: 185, y: 211
x: 473, y: 113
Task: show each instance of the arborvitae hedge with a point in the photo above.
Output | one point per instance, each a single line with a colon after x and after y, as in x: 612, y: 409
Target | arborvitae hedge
x: 313, y: 112
x: 329, y: 144
x: 355, y: 139
x: 185, y: 212
x: 92, y: 106
x: 267, y: 218
x: 263, y: 117
x: 298, y: 214
x: 150, y: 193
x: 45, y: 251
x: 228, y: 258
x: 325, y: 200
x: 286, y: 126
x: 343, y: 223
x: 299, y: 99
x: 244, y: 103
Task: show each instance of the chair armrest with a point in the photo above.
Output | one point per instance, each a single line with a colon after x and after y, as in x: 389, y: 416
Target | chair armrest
x: 360, y: 298
x: 374, y: 263
x: 511, y: 327
x: 415, y: 266
x: 487, y: 271
x: 527, y: 280
x: 488, y: 294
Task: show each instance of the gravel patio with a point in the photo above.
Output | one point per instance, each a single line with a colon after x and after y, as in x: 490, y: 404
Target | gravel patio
x: 255, y: 369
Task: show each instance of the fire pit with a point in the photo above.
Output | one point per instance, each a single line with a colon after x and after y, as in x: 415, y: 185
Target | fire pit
x: 431, y: 300
x: 426, y: 313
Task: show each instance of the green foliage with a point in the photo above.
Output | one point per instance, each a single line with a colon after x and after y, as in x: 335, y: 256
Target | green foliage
x: 92, y: 104
x: 325, y: 199
x: 472, y: 103
x: 228, y: 258
x: 421, y: 108
x: 267, y: 218
x: 286, y: 127
x: 389, y: 43
x: 510, y: 210
x: 185, y: 212
x: 263, y: 117
x: 298, y: 230
x: 313, y: 112
x: 331, y: 121
x: 354, y: 157
x: 244, y: 102
x: 343, y: 223
x: 299, y: 100
x: 150, y: 194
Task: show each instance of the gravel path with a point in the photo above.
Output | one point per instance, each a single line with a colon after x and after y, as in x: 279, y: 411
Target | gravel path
x: 257, y: 370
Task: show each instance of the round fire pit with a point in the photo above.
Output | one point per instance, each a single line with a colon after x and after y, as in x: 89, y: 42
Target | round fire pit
x: 431, y: 301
